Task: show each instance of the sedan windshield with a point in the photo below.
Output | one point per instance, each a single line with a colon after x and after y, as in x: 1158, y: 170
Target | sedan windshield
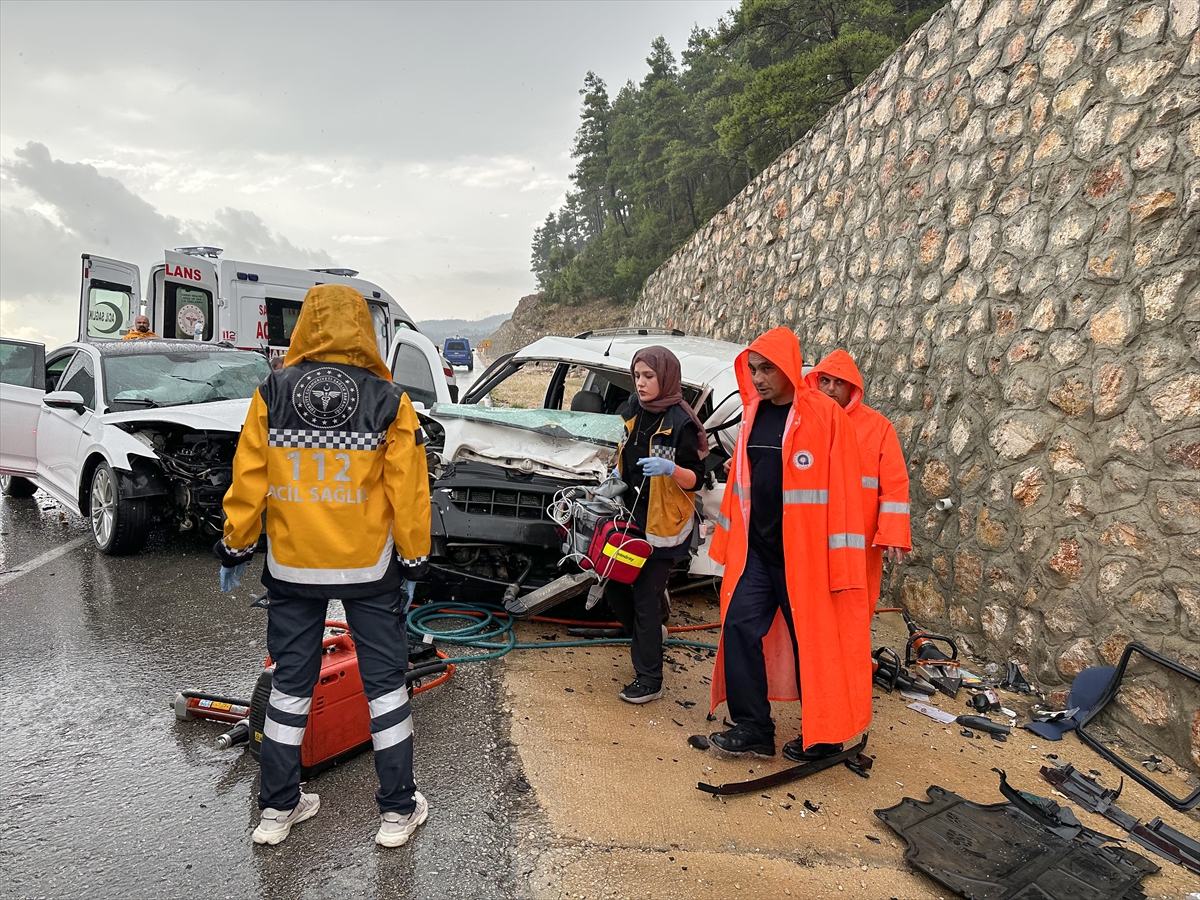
x: 174, y: 379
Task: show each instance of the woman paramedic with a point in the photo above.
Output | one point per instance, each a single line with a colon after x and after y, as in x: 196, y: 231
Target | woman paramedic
x: 660, y: 459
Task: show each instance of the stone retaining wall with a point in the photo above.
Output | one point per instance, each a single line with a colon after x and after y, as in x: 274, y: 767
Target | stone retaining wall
x: 1001, y: 226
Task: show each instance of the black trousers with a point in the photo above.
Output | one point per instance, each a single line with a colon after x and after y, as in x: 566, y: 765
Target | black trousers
x: 760, y: 591
x: 639, y: 608
x: 295, y: 628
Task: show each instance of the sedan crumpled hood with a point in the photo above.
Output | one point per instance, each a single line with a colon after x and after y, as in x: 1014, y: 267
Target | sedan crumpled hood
x: 220, y: 415
x: 551, y: 442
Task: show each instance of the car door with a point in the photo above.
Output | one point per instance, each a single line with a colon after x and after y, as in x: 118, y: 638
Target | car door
x: 60, y: 431
x: 189, y: 289
x: 22, y: 386
x: 417, y: 369
x: 110, y: 297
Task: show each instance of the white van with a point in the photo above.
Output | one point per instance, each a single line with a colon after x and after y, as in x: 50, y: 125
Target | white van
x: 194, y: 294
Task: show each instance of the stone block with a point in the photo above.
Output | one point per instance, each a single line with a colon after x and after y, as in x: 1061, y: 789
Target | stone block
x: 1015, y: 439
x: 1067, y: 347
x: 993, y: 620
x: 1185, y: 453
x: 1178, y: 400
x: 1156, y: 205
x: 1155, y: 150
x: 1030, y: 485
x: 1105, y: 181
x: 1058, y: 56
x: 1080, y: 655
x: 1113, y: 326
x: 1151, y: 607
x: 990, y: 531
x: 935, y: 479
x: 968, y: 573
x: 1133, y: 80
x: 922, y: 600
x: 1175, y: 506
x: 1113, y: 385
x: 1148, y: 704
x: 1072, y: 395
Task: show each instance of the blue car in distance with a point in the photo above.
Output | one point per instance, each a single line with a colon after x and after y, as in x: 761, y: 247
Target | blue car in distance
x: 457, y: 351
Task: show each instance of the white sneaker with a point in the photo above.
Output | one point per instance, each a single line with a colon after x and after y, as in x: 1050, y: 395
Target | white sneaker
x: 276, y: 824
x: 395, y: 829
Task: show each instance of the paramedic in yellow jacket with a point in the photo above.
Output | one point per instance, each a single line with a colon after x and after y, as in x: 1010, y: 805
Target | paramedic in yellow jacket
x: 661, y: 460
x: 332, y: 452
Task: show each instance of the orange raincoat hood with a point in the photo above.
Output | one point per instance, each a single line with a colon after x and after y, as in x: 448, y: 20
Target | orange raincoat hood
x: 839, y: 364
x: 780, y: 346
x: 335, y: 327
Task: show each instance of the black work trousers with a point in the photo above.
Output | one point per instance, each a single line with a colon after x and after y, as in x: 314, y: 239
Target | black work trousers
x: 760, y: 591
x: 639, y: 609
x: 295, y: 629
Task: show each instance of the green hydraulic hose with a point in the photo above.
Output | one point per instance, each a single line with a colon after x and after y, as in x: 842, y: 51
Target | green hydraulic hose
x: 491, y: 629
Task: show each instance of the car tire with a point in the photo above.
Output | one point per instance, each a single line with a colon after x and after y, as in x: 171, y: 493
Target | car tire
x: 120, y: 526
x: 471, y: 366
x: 16, y: 486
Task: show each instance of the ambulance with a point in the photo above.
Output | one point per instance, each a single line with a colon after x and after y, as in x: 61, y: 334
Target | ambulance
x: 197, y: 295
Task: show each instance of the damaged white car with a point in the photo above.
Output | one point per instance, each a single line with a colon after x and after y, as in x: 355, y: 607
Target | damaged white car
x: 497, y: 468
x: 125, y: 433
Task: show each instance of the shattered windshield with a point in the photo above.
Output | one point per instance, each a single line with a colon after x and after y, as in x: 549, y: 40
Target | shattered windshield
x: 598, y: 429
x: 178, y: 378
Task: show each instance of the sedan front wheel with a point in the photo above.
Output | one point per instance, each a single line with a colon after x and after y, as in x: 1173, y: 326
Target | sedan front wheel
x: 119, y: 526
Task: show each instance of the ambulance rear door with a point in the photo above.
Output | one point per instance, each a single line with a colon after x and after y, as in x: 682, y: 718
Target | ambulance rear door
x: 189, y: 297
x: 110, y: 297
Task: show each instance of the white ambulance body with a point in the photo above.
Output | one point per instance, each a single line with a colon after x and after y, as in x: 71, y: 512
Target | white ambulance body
x: 196, y: 294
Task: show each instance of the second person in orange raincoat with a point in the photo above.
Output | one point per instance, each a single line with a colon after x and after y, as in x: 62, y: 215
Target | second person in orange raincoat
x: 794, y: 608
x: 884, y: 473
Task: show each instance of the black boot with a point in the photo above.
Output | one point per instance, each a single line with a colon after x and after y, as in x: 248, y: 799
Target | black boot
x: 740, y: 739
x: 794, y: 750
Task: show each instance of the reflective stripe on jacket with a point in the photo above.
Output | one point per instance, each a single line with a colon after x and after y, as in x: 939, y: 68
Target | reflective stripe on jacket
x: 884, y: 472
x: 333, y: 453
x: 823, y: 545
x: 670, y: 509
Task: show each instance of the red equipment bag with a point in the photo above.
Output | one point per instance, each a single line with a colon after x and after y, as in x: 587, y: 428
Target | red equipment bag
x: 618, y: 550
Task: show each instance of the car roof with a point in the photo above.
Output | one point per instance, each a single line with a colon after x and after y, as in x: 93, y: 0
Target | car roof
x: 151, y: 346
x: 701, y: 360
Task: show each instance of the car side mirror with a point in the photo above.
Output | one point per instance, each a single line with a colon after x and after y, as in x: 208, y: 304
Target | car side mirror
x: 65, y: 400
x: 418, y: 406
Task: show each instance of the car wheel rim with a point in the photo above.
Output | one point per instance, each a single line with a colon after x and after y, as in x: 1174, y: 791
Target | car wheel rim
x: 103, y: 506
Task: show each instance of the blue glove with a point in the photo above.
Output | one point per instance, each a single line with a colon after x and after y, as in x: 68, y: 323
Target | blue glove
x: 656, y: 465
x: 231, y: 577
x: 409, y: 588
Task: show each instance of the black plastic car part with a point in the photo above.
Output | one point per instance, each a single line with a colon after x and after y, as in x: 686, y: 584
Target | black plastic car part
x: 1155, y: 835
x: 1184, y: 677
x: 994, y: 852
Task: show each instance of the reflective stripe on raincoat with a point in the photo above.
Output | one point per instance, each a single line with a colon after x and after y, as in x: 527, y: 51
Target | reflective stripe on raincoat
x: 884, y: 473
x: 823, y: 545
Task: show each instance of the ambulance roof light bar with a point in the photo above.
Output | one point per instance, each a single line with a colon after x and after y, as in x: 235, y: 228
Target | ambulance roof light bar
x: 340, y: 273
x: 209, y: 252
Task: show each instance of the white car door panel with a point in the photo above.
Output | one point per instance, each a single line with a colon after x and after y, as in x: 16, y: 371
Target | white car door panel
x: 22, y: 386
x: 110, y: 296
x: 416, y: 368
x: 60, y: 431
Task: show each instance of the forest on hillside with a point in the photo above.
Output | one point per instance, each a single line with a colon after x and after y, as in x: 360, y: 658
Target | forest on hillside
x: 656, y: 161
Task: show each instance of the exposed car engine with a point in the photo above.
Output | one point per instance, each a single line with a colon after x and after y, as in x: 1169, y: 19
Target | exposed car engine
x: 196, y: 471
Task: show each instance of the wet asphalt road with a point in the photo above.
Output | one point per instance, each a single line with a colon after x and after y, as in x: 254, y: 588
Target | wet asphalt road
x: 104, y: 794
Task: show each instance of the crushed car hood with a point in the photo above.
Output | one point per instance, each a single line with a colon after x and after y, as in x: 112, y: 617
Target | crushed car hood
x: 220, y: 415
x: 551, y: 442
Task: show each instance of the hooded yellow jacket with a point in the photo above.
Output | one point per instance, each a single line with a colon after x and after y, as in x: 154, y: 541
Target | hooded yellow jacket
x: 333, y: 453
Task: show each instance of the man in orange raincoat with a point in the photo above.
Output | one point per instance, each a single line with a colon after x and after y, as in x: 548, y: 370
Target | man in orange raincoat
x: 794, y: 608
x: 884, y: 474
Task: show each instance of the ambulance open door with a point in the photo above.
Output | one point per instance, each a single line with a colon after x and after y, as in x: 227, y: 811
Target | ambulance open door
x: 189, y: 308
x: 110, y: 298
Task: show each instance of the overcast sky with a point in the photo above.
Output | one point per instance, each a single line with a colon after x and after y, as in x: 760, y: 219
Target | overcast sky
x: 420, y: 143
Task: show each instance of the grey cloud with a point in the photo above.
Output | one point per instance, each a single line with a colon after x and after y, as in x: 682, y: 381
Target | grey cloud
x: 100, y: 215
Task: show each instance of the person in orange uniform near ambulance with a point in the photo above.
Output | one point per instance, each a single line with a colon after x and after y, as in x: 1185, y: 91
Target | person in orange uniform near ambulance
x: 884, y: 474
x: 333, y: 453
x: 794, y: 608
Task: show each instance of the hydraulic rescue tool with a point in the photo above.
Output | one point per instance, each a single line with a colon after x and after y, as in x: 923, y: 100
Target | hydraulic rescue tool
x: 853, y: 758
x: 339, y: 721
x: 930, y: 662
x: 889, y: 674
